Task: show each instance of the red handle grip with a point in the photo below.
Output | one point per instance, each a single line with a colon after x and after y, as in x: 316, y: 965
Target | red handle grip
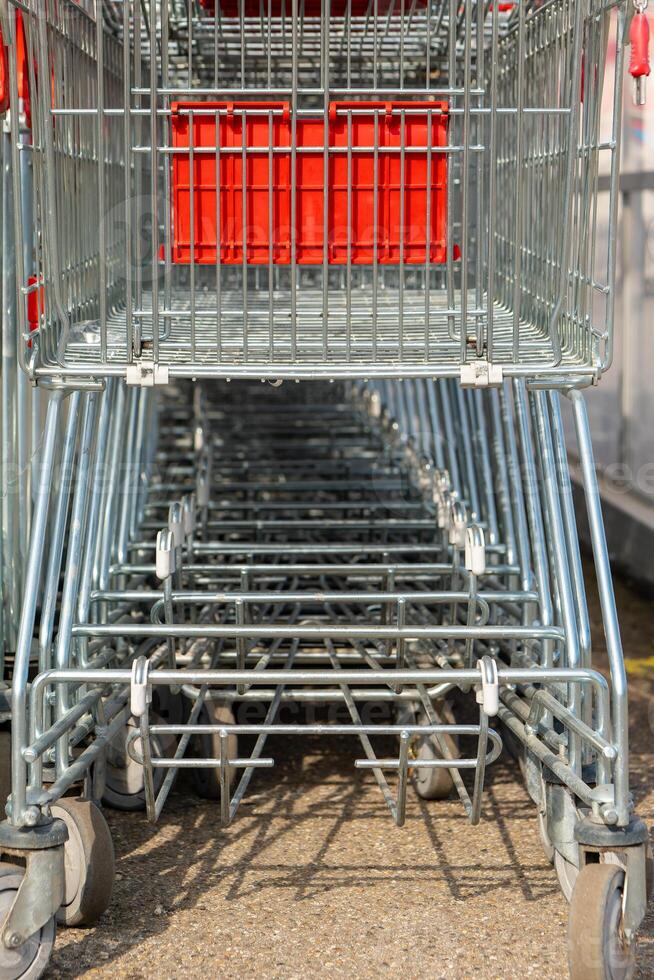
x: 4, y: 77
x: 639, y: 66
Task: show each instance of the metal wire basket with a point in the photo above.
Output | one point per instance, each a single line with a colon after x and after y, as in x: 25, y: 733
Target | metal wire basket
x: 341, y: 191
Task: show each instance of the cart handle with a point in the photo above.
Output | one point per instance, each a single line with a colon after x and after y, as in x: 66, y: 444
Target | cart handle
x: 639, y: 65
x: 4, y: 76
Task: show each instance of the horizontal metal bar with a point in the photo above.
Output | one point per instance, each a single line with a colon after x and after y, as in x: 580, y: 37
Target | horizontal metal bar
x: 349, y: 631
x: 327, y: 695
x: 509, y: 675
x: 191, y: 93
x: 283, y: 570
x: 315, y: 729
x: 416, y: 764
x: 161, y: 762
x: 274, y: 598
x: 629, y: 183
x: 547, y: 373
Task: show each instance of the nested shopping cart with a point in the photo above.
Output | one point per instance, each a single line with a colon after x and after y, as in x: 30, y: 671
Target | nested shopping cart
x: 397, y: 197
x: 20, y: 410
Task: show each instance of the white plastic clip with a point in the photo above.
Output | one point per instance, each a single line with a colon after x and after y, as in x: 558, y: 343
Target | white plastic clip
x: 441, y: 491
x: 202, y: 490
x: 165, y: 563
x: 488, y: 695
x: 140, y: 693
x: 457, y: 525
x: 146, y: 374
x: 475, y: 557
x: 425, y: 472
x: 443, y: 511
x: 481, y: 374
x: 175, y: 524
x: 440, y: 483
x: 188, y: 514
x: 198, y: 438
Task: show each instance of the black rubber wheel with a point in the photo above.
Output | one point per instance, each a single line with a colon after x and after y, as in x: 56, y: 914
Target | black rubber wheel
x: 596, y: 947
x: 207, y: 780
x: 435, y: 783
x: 28, y: 961
x: 89, y: 862
x: 124, y: 786
x: 168, y: 707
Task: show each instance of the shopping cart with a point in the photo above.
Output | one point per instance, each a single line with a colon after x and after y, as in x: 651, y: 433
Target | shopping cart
x: 361, y: 194
x: 402, y: 191
x: 20, y: 403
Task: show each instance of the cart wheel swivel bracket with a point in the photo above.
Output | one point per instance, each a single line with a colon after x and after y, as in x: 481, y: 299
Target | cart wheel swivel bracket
x: 41, y: 891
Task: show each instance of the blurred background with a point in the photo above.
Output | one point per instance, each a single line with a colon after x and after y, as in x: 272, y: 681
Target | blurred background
x: 622, y: 406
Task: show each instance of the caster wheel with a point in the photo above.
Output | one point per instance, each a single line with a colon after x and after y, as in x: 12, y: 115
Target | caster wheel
x: 168, y: 707
x: 5, y: 770
x: 649, y: 871
x: 596, y: 948
x: 28, y: 961
x: 568, y: 873
x: 435, y: 784
x: 124, y: 786
x: 207, y: 781
x: 89, y: 862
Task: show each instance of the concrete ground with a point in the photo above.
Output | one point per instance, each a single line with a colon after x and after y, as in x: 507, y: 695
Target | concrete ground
x: 314, y: 879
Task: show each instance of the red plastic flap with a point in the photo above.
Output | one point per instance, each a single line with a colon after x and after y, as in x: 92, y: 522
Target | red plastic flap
x: 35, y: 306
x: 22, y: 69
x: 226, y: 137
x: 402, y: 232
x: 4, y: 77
x: 230, y: 126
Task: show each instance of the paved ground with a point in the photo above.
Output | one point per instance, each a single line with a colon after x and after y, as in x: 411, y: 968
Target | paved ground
x: 313, y: 879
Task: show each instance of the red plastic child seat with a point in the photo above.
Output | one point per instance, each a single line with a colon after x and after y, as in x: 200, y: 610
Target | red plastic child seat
x: 263, y: 129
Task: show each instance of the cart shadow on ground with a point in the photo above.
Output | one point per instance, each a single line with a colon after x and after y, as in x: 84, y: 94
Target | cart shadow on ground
x: 312, y: 825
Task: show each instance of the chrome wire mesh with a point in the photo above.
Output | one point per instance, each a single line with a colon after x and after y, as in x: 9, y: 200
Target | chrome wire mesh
x: 393, y: 544
x: 526, y: 280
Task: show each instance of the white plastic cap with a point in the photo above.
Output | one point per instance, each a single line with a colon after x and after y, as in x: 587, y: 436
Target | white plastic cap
x: 188, y: 514
x: 140, y: 694
x: 458, y: 522
x: 165, y: 555
x: 488, y: 695
x: 202, y: 490
x: 175, y: 524
x: 475, y: 556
